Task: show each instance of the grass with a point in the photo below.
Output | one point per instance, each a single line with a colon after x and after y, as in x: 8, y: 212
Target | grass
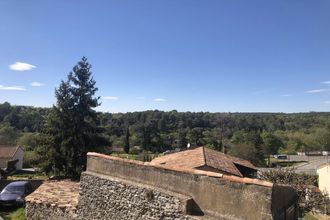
x: 13, y: 214
x: 283, y: 163
x: 35, y: 176
x: 310, y: 216
x: 139, y: 157
x: 126, y: 156
x: 19, y: 214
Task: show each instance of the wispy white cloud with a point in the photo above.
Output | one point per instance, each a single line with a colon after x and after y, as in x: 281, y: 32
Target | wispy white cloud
x: 140, y: 97
x: 317, y: 90
x: 36, y: 84
x: 327, y: 102
x: 159, y: 100
x: 12, y: 88
x: 110, y: 97
x: 19, y: 66
x: 287, y: 95
x: 326, y: 82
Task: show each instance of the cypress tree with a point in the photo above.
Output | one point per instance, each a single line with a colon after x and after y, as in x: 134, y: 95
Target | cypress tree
x: 126, y: 145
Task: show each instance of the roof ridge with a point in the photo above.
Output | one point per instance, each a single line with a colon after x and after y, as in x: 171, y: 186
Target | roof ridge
x: 204, y: 157
x: 17, y: 147
x: 228, y: 159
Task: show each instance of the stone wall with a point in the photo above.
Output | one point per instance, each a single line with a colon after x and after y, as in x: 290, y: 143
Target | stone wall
x: 53, y: 200
x: 41, y: 211
x: 117, y: 189
x: 217, y: 197
x: 103, y: 197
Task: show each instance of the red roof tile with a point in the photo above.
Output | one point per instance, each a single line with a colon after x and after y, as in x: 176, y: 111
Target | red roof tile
x: 7, y: 151
x: 202, y: 156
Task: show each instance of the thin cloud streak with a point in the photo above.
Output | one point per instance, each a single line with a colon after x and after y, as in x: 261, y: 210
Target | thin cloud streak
x: 327, y: 102
x: 12, y: 88
x: 20, y: 66
x: 326, y: 82
x: 159, y: 100
x: 110, y: 97
x: 36, y: 84
x: 317, y: 90
x: 287, y: 95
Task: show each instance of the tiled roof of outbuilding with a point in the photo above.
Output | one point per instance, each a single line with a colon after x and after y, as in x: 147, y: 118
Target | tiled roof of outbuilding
x: 203, y: 156
x: 7, y: 151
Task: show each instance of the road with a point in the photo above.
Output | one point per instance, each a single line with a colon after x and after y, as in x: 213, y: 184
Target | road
x: 311, y: 164
x: 305, y: 164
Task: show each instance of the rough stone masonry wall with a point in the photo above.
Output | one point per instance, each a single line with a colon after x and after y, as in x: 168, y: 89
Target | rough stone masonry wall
x: 42, y: 211
x: 53, y: 200
x: 119, y: 189
x: 217, y: 198
x: 108, y: 198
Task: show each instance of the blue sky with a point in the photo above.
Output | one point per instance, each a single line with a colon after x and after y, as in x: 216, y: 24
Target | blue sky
x: 196, y: 55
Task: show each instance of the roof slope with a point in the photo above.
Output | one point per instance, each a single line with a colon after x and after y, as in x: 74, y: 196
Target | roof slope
x: 7, y: 151
x: 203, y: 156
x: 63, y: 194
x: 186, y: 159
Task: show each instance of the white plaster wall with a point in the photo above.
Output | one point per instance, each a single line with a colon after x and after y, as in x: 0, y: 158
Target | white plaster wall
x: 20, y: 156
x: 324, y: 178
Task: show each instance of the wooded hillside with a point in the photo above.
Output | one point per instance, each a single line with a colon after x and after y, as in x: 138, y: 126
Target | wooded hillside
x: 245, y: 134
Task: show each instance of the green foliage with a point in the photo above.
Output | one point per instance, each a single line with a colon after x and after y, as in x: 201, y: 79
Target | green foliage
x: 71, y: 124
x: 8, y: 134
x: 28, y: 141
x: 271, y: 143
x: 261, y: 134
x: 31, y: 159
x: 248, y: 145
x: 127, y: 145
x: 182, y: 139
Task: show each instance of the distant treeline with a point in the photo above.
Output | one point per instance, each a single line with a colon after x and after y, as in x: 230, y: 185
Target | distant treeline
x: 249, y: 135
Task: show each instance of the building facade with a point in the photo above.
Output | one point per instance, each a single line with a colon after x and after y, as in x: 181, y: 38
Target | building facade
x: 324, y: 178
x: 11, y: 153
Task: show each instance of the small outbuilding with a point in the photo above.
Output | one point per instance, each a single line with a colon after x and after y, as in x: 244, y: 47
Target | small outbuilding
x: 203, y: 158
x: 10, y: 154
x: 324, y: 177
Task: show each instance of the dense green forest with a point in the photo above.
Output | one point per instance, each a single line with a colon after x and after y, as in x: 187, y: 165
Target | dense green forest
x: 57, y: 139
x: 248, y: 135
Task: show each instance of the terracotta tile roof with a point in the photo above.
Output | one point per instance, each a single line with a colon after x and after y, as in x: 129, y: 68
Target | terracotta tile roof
x: 185, y: 159
x: 63, y: 194
x: 7, y: 151
x: 202, y: 156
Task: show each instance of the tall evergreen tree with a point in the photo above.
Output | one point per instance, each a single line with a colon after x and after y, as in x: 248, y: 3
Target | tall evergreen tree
x: 72, y: 122
x: 182, y: 139
x: 126, y: 145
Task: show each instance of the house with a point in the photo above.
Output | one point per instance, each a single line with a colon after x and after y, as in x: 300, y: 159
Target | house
x: 324, y: 177
x: 11, y: 153
x: 203, y: 158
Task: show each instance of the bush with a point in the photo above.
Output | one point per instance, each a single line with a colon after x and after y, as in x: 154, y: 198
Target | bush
x: 310, y: 197
x: 31, y: 159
